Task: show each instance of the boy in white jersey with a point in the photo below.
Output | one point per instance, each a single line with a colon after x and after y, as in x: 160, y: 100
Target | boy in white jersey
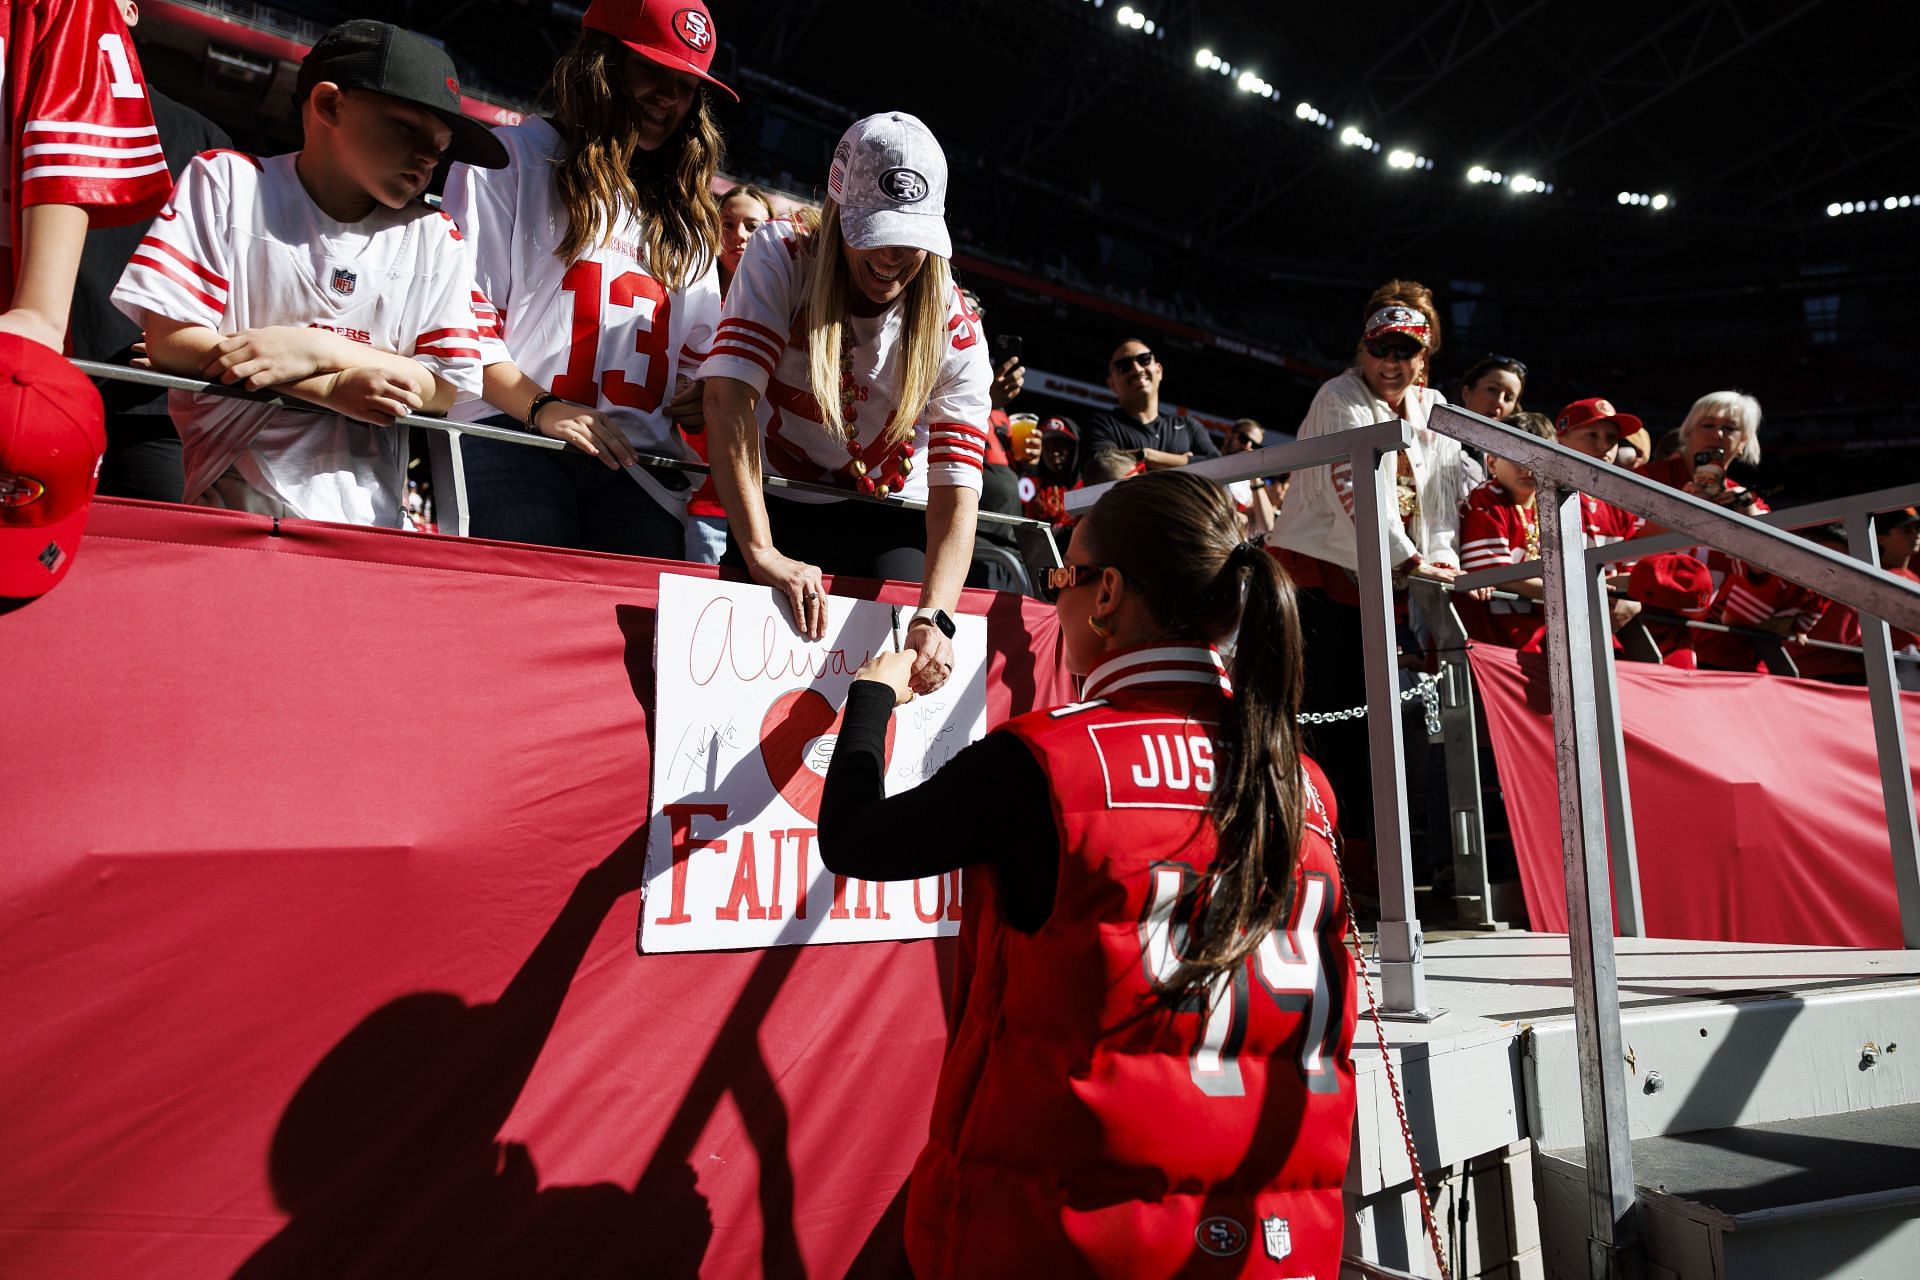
x: 323, y: 275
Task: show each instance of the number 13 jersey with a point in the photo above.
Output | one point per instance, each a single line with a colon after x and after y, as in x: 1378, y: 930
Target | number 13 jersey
x: 601, y: 331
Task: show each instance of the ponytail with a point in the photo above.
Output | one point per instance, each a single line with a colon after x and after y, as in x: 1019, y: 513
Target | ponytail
x: 1259, y: 794
x: 1176, y: 537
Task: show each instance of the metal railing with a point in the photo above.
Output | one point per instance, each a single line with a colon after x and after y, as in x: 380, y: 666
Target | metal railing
x: 1035, y: 536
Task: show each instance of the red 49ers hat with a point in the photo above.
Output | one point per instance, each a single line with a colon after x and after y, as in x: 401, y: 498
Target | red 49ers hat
x: 889, y: 177
x: 677, y: 34
x: 52, y: 437
x: 1674, y: 581
x: 1584, y: 413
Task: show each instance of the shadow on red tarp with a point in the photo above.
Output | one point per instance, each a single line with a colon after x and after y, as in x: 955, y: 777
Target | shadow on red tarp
x: 317, y: 919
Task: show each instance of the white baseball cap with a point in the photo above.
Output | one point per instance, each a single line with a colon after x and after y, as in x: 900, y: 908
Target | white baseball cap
x: 889, y: 177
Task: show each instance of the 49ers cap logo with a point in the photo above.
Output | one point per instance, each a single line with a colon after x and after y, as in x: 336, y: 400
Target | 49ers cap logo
x: 904, y: 186
x: 695, y: 28
x: 1221, y: 1237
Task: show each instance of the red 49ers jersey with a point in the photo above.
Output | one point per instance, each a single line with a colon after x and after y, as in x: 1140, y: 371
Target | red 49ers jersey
x: 73, y: 109
x: 1083, y: 1123
x: 601, y: 331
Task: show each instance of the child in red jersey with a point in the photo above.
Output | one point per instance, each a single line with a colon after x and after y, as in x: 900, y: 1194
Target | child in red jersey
x: 1499, y: 526
x: 81, y: 150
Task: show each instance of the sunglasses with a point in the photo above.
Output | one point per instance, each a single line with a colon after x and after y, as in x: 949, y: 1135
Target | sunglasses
x: 1246, y: 439
x: 1066, y: 576
x: 1518, y: 367
x: 1383, y: 349
x: 1138, y: 360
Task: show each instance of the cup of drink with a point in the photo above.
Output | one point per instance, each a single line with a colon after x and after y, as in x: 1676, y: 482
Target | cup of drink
x: 1022, y: 427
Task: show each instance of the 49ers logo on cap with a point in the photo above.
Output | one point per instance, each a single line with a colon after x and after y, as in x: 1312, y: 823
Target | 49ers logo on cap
x: 694, y: 27
x: 904, y: 186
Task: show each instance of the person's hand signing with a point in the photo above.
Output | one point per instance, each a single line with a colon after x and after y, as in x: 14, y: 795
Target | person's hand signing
x: 933, y: 656
x: 893, y: 669
x: 799, y: 582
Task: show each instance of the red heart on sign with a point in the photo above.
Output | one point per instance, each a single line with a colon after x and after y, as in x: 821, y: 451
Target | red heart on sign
x: 792, y: 752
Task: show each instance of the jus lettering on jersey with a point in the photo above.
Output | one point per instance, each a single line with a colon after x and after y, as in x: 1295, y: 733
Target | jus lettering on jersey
x: 1155, y: 764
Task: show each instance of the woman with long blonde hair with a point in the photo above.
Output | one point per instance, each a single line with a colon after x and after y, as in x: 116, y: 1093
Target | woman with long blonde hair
x: 847, y: 358
x: 596, y: 251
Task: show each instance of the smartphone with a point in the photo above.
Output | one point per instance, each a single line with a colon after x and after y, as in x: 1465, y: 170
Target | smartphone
x: 1004, y: 346
x: 1709, y: 475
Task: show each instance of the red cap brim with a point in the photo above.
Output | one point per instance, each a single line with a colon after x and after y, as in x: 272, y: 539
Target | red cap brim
x: 661, y: 58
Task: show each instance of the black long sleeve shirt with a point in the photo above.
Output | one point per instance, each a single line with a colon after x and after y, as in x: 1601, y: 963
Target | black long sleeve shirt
x: 990, y: 804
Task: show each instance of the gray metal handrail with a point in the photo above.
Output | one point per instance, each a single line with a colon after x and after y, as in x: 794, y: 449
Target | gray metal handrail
x: 527, y: 439
x: 1801, y: 517
x: 1589, y: 754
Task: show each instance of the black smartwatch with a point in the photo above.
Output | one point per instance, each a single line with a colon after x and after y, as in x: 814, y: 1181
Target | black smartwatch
x: 934, y: 617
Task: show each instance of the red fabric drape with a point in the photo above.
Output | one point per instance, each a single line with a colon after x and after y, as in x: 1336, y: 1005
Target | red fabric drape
x: 1756, y: 801
x: 317, y: 932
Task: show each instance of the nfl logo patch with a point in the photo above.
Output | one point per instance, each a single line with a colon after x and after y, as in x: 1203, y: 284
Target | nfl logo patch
x: 1277, y: 1237
x: 344, y: 280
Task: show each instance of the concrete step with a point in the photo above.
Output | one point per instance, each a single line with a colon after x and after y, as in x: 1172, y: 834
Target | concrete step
x: 1833, y: 1195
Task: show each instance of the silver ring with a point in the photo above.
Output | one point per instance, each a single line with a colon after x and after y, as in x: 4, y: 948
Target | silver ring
x: 811, y: 595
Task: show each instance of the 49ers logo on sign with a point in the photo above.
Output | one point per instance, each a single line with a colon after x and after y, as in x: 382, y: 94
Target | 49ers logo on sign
x: 696, y: 28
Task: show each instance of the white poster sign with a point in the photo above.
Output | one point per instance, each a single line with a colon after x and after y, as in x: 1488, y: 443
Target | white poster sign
x: 745, y: 718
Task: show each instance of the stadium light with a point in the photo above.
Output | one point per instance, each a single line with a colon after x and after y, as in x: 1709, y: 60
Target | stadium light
x: 1352, y: 137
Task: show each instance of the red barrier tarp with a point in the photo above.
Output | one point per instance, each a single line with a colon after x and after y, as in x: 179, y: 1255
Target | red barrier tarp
x: 1757, y: 808
x: 317, y: 925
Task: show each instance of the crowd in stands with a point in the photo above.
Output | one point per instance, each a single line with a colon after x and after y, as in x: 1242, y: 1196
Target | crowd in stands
x: 584, y: 281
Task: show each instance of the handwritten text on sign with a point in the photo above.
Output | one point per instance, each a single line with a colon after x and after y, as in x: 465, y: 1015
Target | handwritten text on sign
x: 744, y: 725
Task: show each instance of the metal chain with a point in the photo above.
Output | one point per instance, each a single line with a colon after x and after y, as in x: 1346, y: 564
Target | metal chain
x: 1386, y: 1062
x: 1427, y: 690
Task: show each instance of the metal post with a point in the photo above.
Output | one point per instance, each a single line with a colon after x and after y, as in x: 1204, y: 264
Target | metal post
x: 1613, y: 1227
x: 1402, y: 969
x: 1460, y: 747
x: 1613, y: 761
x: 1889, y: 736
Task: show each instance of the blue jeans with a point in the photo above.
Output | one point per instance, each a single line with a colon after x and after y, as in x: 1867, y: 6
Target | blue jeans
x: 564, y: 498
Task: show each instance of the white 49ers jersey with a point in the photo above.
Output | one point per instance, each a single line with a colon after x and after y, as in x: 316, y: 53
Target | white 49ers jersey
x: 761, y: 343
x: 601, y: 331
x: 242, y: 246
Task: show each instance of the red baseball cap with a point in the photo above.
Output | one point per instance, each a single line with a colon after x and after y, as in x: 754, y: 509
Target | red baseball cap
x: 52, y: 438
x: 676, y: 34
x: 1584, y: 413
x: 1674, y: 581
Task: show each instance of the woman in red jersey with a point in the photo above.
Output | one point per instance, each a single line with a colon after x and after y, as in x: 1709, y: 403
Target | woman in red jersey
x: 1149, y: 1069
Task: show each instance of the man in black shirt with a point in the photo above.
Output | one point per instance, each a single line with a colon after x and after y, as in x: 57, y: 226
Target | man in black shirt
x: 1139, y: 426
